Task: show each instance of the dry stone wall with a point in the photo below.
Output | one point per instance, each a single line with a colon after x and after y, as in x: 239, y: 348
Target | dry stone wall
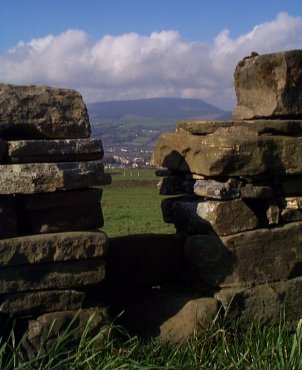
x: 51, y: 248
x: 239, y: 193
x: 236, y: 204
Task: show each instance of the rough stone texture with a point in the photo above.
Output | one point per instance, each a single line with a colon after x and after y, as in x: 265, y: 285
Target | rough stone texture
x: 144, y: 260
x: 291, y: 209
x: 291, y: 202
x: 273, y: 214
x: 42, y: 112
x: 49, y: 177
x: 218, y: 190
x: 8, y: 218
x: 40, y: 249
x: 59, y: 199
x: 40, y: 338
x: 37, y: 303
x: 194, y: 316
x: 198, y: 216
x: 169, y: 313
x: 214, y: 189
x: 60, y: 211
x: 287, y: 127
x: 252, y: 257
x: 69, y: 150
x: 59, y: 275
x: 266, y: 303
x: 291, y: 215
x: 236, y: 153
x: 269, y: 85
x: 251, y: 191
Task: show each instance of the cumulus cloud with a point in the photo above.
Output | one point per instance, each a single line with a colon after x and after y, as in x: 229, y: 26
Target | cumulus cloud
x: 134, y: 66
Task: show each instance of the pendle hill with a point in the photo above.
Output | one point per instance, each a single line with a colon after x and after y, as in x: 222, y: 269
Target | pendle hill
x: 136, y: 124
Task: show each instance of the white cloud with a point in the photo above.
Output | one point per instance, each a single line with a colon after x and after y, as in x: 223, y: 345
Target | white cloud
x: 134, y: 66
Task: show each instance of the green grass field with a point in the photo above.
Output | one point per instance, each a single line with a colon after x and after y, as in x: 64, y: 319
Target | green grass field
x: 257, y: 348
x: 131, y: 204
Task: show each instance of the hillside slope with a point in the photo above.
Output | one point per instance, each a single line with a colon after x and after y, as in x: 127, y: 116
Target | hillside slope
x: 135, y: 124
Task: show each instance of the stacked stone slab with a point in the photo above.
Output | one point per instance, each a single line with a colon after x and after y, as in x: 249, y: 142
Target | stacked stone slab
x: 240, y: 195
x: 51, y: 250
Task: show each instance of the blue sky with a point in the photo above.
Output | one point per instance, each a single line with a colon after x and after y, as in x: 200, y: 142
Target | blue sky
x: 118, y: 49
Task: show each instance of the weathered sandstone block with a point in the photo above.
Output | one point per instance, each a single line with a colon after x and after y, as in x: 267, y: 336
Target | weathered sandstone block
x: 171, y: 314
x: 40, y: 249
x: 59, y: 199
x: 202, y: 216
x: 252, y: 191
x: 291, y: 209
x: 69, y: 150
x: 43, y: 332
x: 40, y: 302
x: 60, y: 211
x: 269, y: 85
x: 286, y: 127
x: 29, y: 178
x: 291, y: 202
x: 218, y: 189
x: 194, y: 316
x: 42, y: 112
x: 233, y: 153
x: 265, y: 303
x: 248, y: 258
x: 58, y: 275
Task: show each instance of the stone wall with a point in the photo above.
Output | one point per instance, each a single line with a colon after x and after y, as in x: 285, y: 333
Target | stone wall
x: 236, y: 204
x: 51, y: 249
x: 239, y: 193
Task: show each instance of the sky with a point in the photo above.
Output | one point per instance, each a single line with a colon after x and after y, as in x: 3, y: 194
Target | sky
x: 130, y: 49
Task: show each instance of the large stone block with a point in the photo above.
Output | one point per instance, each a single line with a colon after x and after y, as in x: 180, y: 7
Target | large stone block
x: 269, y: 85
x: 196, y: 315
x: 287, y: 127
x: 69, y: 150
x: 60, y: 211
x: 227, y: 190
x: 44, y: 331
x: 42, y: 112
x: 266, y: 303
x: 29, y: 178
x: 236, y: 152
x: 196, y: 216
x: 58, y: 275
x: 170, y: 314
x: 291, y: 208
x: 40, y: 302
x: 248, y: 258
x: 47, y: 248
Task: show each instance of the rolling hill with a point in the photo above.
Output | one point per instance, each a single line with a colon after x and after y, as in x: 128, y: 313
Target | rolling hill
x: 138, y: 123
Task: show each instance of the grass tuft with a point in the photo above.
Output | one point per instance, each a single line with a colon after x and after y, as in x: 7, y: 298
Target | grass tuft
x: 257, y: 347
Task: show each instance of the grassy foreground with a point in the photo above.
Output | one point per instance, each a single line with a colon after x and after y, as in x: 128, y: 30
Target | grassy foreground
x: 257, y: 348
